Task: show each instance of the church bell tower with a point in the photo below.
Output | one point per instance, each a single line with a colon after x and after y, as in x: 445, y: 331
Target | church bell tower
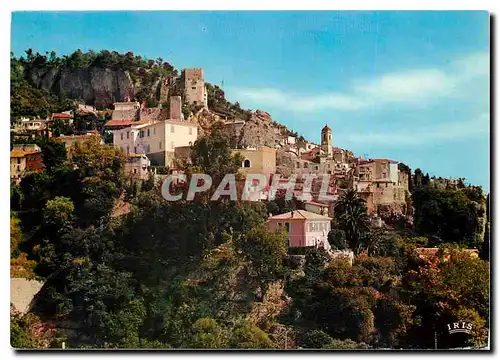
x: 326, y: 141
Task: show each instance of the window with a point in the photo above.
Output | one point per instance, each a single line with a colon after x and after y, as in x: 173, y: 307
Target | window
x: 128, y: 148
x: 172, y: 129
x: 316, y: 167
x: 194, y: 87
x: 287, y: 226
x: 305, y: 165
x: 135, y: 171
x: 280, y: 225
x: 154, y: 131
x: 149, y: 149
x: 121, y: 136
x: 128, y: 134
x: 141, y: 134
x: 18, y: 160
x: 160, y: 145
x: 135, y: 149
x: 378, y: 185
x: 298, y: 165
x: 190, y: 131
x: 246, y: 163
x: 148, y: 133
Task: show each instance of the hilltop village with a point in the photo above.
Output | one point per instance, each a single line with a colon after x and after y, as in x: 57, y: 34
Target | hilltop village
x: 155, y: 137
x: 99, y: 259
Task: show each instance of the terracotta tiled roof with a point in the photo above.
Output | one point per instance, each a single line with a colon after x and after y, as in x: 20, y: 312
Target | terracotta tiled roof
x: 299, y: 214
x: 21, y: 153
x: 311, y: 154
x: 119, y: 123
x: 17, y: 153
x: 61, y: 116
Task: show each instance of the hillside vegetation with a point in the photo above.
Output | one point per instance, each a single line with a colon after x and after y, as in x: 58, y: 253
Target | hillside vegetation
x: 206, y: 274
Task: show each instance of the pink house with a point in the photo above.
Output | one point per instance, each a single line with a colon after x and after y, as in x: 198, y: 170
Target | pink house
x: 304, y: 228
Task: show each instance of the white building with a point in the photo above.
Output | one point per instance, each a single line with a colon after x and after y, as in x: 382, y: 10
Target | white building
x: 27, y: 124
x: 156, y: 139
x: 137, y: 166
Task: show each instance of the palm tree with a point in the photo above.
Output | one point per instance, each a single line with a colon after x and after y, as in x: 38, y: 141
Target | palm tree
x: 351, y: 216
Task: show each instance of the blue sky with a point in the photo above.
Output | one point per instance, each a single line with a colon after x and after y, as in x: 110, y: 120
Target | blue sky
x: 410, y: 86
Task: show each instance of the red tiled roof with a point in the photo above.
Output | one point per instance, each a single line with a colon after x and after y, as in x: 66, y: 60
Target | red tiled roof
x: 118, y: 123
x: 61, y: 116
x: 311, y: 154
x: 21, y: 153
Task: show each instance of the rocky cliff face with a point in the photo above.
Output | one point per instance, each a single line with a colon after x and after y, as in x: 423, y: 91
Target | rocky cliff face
x: 258, y: 130
x: 95, y: 86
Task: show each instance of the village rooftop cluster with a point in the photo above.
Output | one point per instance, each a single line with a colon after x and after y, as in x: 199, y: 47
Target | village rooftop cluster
x: 158, y: 138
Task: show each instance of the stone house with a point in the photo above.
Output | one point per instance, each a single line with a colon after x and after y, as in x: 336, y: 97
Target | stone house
x: 137, y: 166
x: 24, y: 158
x: 379, y: 182
x: 126, y: 110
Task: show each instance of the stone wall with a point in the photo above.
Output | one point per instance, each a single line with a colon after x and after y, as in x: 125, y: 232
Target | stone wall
x: 153, y: 114
x: 175, y: 107
x: 194, y: 87
x: 125, y: 115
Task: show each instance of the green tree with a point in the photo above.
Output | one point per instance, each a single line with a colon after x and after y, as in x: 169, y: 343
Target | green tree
x: 266, y: 252
x: 207, y: 334
x: 418, y: 178
x: 58, y: 212
x: 53, y: 154
x: 246, y: 335
x: 212, y: 154
x: 337, y: 239
x: 316, y: 339
x: 351, y: 217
